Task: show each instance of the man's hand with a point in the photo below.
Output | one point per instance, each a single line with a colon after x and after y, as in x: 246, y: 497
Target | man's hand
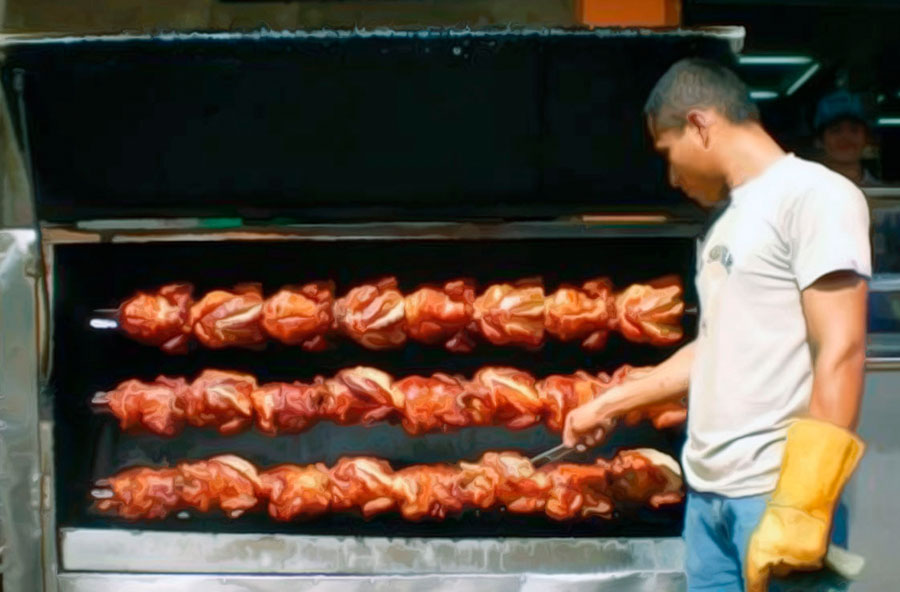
x: 785, y: 540
x: 590, y: 424
x: 793, y: 532
x: 586, y: 426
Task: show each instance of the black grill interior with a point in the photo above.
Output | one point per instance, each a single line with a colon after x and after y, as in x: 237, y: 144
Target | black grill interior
x: 96, y: 276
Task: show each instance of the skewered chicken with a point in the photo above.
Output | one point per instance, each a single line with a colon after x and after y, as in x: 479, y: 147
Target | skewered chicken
x: 231, y: 401
x: 378, y: 316
x: 229, y: 483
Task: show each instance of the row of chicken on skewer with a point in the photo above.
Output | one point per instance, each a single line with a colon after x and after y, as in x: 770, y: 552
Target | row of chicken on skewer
x: 231, y: 401
x: 369, y: 485
x: 378, y: 316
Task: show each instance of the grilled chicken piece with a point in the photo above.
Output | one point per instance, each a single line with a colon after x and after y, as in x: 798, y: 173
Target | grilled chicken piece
x: 160, y: 318
x: 442, y: 315
x: 434, y: 403
x: 373, y: 315
x: 233, y: 318
x: 157, y: 406
x: 651, y: 313
x: 512, y: 314
x: 514, y: 400
x: 295, y: 491
x: 227, y: 482
x: 571, y: 313
x: 300, y: 316
x: 220, y: 399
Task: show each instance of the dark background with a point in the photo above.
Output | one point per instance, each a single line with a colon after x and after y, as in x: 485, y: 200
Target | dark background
x: 436, y: 126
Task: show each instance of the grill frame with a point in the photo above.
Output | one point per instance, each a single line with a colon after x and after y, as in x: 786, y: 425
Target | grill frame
x: 411, y: 359
x: 611, y: 555
x: 29, y: 438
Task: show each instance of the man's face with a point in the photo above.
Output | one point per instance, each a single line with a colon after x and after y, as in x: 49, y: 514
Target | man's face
x: 691, y: 162
x: 844, y: 141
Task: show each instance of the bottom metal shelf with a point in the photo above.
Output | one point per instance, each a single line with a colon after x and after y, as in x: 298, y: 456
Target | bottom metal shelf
x: 118, y: 550
x: 619, y: 582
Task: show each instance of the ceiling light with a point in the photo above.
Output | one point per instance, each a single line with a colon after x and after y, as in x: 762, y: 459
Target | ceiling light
x: 803, y: 78
x: 762, y: 95
x: 784, y: 60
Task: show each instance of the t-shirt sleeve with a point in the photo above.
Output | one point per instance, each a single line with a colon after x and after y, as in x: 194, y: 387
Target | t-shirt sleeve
x: 829, y: 232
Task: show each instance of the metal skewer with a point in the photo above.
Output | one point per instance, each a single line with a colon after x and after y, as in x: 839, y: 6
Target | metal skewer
x: 104, y: 319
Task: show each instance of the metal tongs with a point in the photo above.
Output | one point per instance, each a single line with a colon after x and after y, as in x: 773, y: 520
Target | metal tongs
x: 561, y: 451
x: 552, y: 455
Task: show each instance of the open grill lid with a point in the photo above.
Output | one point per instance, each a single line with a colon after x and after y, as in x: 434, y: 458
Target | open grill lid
x: 344, y: 125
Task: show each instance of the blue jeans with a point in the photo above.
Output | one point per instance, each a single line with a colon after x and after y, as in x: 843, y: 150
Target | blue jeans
x: 717, y: 530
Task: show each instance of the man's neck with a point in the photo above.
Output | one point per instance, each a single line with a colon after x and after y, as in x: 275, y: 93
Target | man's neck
x: 749, y: 151
x: 851, y: 170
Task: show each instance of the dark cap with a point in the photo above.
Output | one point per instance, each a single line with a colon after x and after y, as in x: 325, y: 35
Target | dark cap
x: 838, y: 105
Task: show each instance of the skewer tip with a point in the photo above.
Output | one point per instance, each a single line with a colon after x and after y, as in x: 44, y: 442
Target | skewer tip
x: 103, y: 323
x: 101, y: 493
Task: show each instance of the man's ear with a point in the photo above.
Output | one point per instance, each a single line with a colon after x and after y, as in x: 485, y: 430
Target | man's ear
x: 699, y: 122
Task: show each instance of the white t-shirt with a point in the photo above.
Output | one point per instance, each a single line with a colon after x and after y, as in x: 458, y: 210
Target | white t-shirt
x: 752, y: 373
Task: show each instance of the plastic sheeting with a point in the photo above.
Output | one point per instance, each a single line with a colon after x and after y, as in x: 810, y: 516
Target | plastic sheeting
x: 20, y: 474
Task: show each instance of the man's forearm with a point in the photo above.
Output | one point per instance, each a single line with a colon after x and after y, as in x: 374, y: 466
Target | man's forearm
x: 838, y: 385
x: 665, y: 382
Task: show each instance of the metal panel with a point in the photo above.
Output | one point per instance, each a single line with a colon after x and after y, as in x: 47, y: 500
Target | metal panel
x: 153, y: 230
x: 48, y: 505
x: 16, y: 205
x: 625, y: 582
x: 871, y: 495
x: 183, y: 552
x: 883, y: 351
x: 733, y: 34
x: 20, y: 474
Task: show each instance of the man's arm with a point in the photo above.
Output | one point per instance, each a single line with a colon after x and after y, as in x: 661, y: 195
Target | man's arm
x: 821, y: 450
x: 667, y: 381
x: 835, y: 311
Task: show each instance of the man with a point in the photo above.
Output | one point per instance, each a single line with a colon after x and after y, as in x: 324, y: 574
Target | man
x: 843, y: 133
x: 775, y: 376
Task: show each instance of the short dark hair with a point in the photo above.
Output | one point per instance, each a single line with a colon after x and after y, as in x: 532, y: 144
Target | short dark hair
x: 694, y: 82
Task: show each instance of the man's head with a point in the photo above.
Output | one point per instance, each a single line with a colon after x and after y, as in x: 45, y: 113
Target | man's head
x: 841, y: 127
x: 689, y: 113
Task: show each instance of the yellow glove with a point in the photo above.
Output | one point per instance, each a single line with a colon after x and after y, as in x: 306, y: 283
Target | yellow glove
x: 793, y: 532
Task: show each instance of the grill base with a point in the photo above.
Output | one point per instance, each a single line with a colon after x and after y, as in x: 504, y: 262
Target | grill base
x: 619, y: 582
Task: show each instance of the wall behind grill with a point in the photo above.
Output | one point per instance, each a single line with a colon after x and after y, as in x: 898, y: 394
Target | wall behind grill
x: 89, y: 277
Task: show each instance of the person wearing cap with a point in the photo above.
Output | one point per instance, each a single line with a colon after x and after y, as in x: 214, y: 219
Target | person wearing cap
x: 774, y: 378
x: 842, y: 132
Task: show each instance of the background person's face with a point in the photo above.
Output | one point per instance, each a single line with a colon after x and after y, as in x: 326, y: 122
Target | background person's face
x: 691, y: 166
x: 844, y: 141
